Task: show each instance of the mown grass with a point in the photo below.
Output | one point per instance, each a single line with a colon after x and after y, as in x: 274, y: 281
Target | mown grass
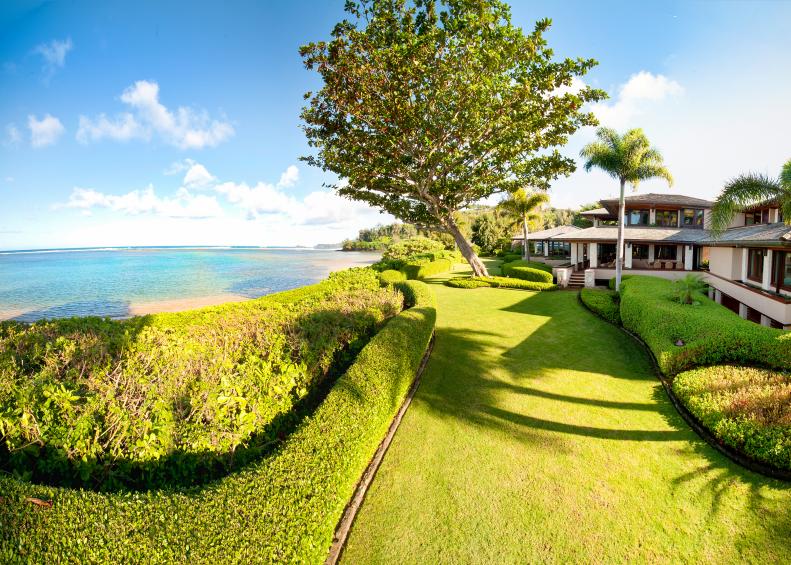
x: 540, y: 434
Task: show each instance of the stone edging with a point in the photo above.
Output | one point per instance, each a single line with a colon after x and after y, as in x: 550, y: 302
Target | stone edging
x: 345, y: 523
x: 692, y: 421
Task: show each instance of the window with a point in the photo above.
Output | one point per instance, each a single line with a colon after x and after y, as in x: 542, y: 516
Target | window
x: 752, y: 218
x: 639, y: 251
x: 637, y: 217
x: 765, y: 216
x: 781, y: 270
x: 755, y: 264
x: 692, y: 218
x: 665, y: 252
x: 667, y: 218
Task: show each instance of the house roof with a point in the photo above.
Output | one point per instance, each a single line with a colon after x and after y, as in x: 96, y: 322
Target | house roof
x: 596, y: 212
x: 777, y: 233
x: 611, y: 204
x: 652, y: 234
x: 547, y: 234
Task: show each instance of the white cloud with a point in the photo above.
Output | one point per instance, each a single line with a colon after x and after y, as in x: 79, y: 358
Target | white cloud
x: 263, y: 198
x: 54, y: 55
x: 289, y: 177
x: 184, y: 128
x: 9, y: 179
x: 634, y: 97
x: 12, y: 137
x: 146, y: 201
x: 45, y: 131
x: 123, y: 128
x: 198, y: 176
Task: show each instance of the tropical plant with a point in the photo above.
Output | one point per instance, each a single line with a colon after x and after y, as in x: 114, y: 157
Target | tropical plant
x: 630, y: 159
x: 521, y: 207
x: 427, y: 107
x: 487, y: 231
x: 687, y: 286
x: 748, y: 189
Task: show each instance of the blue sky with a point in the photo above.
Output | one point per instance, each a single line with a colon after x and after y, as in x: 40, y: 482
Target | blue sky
x: 178, y: 123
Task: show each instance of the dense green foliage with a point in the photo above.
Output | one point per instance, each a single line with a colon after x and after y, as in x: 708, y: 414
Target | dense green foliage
x: 428, y: 107
x: 282, y: 508
x: 528, y: 271
x: 511, y: 257
x: 391, y: 276
x: 711, y: 334
x: 489, y: 230
x: 603, y: 303
x: 422, y: 270
x: 172, y: 398
x: 522, y: 263
x: 410, y: 248
x: 499, y: 282
x: 688, y: 286
x: 356, y: 245
x: 747, y: 408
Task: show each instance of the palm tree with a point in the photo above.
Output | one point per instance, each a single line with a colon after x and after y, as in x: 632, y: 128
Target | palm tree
x: 520, y: 207
x: 748, y: 189
x: 630, y: 159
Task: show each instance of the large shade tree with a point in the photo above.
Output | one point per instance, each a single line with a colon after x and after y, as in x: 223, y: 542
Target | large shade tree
x: 521, y: 207
x: 749, y: 189
x: 427, y: 107
x: 629, y: 158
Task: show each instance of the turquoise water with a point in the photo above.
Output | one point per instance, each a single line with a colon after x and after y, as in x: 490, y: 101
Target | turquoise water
x: 110, y: 282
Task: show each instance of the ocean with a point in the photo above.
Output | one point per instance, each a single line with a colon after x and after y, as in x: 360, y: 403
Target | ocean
x: 131, y: 281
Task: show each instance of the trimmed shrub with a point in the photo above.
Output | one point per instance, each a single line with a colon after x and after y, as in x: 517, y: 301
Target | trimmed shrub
x: 611, y: 282
x: 603, y: 303
x: 746, y: 408
x: 391, y: 276
x: 408, y: 248
x: 171, y: 398
x: 499, y: 282
x: 711, y: 334
x: 509, y: 257
x: 282, y: 508
x: 525, y: 271
x: 427, y: 269
x: 464, y: 282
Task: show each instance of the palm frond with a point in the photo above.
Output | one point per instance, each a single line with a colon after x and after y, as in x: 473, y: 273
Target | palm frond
x: 739, y: 193
x: 785, y: 175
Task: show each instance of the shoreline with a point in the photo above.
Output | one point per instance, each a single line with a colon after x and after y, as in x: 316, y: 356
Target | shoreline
x: 182, y: 304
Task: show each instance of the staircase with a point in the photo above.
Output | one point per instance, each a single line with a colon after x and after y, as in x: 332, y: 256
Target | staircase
x: 577, y: 279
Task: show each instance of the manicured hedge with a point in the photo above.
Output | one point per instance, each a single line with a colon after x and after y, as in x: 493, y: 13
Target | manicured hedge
x: 282, y: 508
x: 498, y: 282
x: 526, y: 271
x: 422, y: 270
x: 391, y: 276
x: 510, y: 257
x: 604, y: 303
x: 611, y: 282
x: 172, y: 398
x: 711, y: 334
x: 530, y: 264
x: 748, y: 409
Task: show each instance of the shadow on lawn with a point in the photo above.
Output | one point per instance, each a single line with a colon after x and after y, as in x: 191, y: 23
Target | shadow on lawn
x: 472, y: 373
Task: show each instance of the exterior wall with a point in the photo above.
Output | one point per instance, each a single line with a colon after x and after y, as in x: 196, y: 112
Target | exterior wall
x: 767, y: 306
x: 726, y: 262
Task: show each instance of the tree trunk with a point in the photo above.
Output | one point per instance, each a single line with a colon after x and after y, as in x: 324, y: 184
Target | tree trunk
x: 620, y: 251
x: 525, y: 244
x: 478, y: 268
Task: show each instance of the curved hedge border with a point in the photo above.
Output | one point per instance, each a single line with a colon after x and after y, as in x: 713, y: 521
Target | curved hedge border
x: 711, y: 333
x: 283, y: 508
x: 521, y: 263
x: 603, y: 303
x: 391, y: 276
x: 527, y: 273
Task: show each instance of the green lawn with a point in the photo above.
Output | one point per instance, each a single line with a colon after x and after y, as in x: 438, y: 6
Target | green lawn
x: 540, y: 434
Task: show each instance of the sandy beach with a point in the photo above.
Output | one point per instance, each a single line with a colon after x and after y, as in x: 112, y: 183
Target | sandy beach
x: 179, y: 304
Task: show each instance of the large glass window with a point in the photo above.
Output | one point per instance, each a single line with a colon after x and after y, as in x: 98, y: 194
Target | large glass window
x: 665, y: 252
x: 692, y: 218
x: 637, y: 217
x: 667, y: 218
x: 755, y: 264
x: 752, y: 218
x: 781, y: 270
x: 639, y: 251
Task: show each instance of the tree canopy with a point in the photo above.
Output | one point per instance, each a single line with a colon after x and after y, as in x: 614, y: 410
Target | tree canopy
x: 427, y: 107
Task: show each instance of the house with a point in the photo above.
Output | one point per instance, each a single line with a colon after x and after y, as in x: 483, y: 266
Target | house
x: 543, y: 244
x: 667, y: 235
